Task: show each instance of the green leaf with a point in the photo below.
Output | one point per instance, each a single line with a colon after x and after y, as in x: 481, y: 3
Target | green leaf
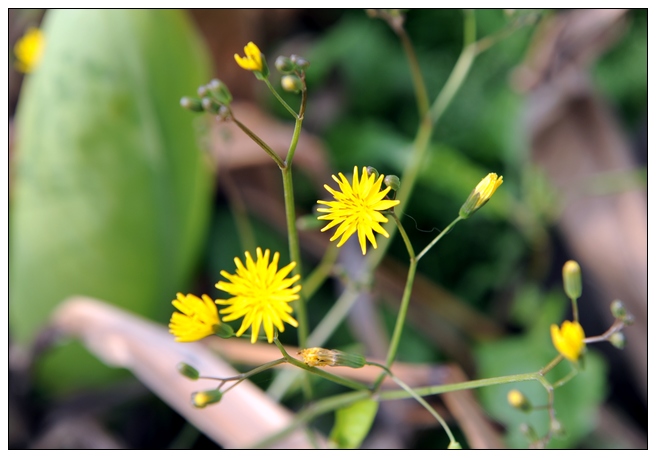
x: 111, y: 192
x: 352, y: 423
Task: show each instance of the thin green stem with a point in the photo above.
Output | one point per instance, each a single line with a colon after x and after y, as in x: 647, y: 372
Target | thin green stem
x: 313, y: 370
x: 575, y: 310
x: 419, y: 399
x: 439, y: 236
x: 405, y: 301
x: 417, y: 79
x: 297, y: 128
x: 280, y: 99
x: 241, y: 377
x: 260, y: 142
x: 314, y: 410
x: 314, y: 280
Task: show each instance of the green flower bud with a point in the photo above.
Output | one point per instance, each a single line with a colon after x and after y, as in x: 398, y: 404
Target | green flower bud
x: 191, y: 104
x: 223, y: 330
x: 188, y: 371
x: 372, y: 171
x: 220, y: 91
x: 202, y: 399
x: 558, y: 429
x: 528, y: 432
x: 284, y: 64
x: 202, y: 91
x: 392, y: 181
x: 210, y: 105
x: 572, y: 279
x: 618, y: 340
x: 617, y: 309
x: 300, y: 62
x: 291, y: 83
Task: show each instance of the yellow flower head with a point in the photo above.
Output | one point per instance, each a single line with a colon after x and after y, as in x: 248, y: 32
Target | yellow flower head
x: 357, y: 206
x: 29, y: 50
x: 568, y: 339
x: 199, y: 318
x: 261, y: 294
x: 481, y: 194
x: 253, y: 59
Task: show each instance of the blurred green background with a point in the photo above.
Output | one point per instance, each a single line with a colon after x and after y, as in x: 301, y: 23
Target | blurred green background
x: 112, y: 196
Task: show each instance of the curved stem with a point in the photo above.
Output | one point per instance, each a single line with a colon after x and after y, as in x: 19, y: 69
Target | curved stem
x: 439, y: 236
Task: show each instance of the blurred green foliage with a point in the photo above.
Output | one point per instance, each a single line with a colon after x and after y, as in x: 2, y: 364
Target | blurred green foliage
x: 111, y: 193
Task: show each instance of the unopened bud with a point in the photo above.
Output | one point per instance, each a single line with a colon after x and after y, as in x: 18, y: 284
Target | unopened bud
x: 322, y: 357
x: 220, y: 91
x: 371, y: 171
x: 300, y: 62
x: 617, y: 309
x: 191, y: 104
x: 291, y: 83
x: 528, y: 432
x: 557, y: 428
x: 392, y: 181
x: 223, y: 330
x: 618, y: 340
x: 188, y: 371
x: 517, y: 399
x: 202, y: 91
x: 210, y: 105
x: 284, y: 64
x: 202, y: 399
x: 572, y: 279
x: 481, y: 194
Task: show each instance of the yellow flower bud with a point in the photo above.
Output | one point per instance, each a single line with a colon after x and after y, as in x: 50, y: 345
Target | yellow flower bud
x: 291, y: 83
x: 202, y: 399
x: 253, y: 61
x: 568, y: 339
x: 572, y: 279
x: 517, y: 399
x: 481, y: 194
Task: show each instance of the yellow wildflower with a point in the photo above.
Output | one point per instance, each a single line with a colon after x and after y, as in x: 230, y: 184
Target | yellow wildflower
x: 357, y: 207
x: 253, y: 59
x: 261, y: 294
x: 481, y: 194
x: 199, y: 318
x: 568, y: 339
x: 29, y: 50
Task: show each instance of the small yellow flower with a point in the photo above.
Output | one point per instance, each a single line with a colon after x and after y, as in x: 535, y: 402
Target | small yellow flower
x: 357, y: 207
x: 253, y: 59
x: 517, y: 400
x: 29, y: 50
x: 261, y: 294
x: 568, y: 339
x: 199, y: 318
x: 202, y: 399
x: 481, y: 194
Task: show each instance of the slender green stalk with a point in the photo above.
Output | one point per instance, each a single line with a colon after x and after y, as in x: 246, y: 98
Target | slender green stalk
x: 405, y: 301
x: 575, y: 310
x: 280, y: 99
x: 439, y: 236
x: 241, y: 377
x: 417, y: 80
x: 319, y: 275
x: 297, y: 127
x: 314, y: 410
x: 260, y: 142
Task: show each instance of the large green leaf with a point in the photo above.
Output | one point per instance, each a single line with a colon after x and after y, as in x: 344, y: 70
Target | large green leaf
x: 352, y: 423
x: 111, y: 191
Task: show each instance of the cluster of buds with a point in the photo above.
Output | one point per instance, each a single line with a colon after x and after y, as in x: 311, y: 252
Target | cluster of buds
x: 213, y: 97
x: 293, y: 70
